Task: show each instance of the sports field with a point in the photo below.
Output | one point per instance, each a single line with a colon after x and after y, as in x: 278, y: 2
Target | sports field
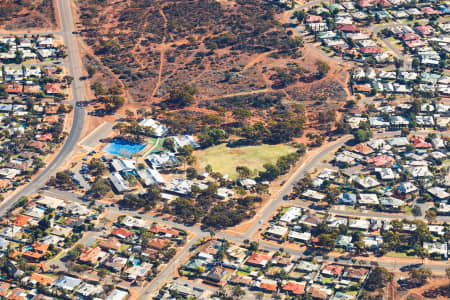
x: 225, y: 160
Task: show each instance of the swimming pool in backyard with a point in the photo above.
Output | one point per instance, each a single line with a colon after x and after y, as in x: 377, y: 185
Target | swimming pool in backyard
x: 123, y: 148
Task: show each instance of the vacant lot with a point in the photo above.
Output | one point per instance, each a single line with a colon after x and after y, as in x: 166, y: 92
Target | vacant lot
x: 224, y: 159
x: 27, y: 14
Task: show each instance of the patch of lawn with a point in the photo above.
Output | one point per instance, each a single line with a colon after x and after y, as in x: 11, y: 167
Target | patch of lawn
x: 327, y: 279
x: 157, y: 145
x: 242, y: 273
x: 124, y: 247
x: 224, y: 159
x: 396, y: 254
x: 285, y: 209
x: 408, y: 211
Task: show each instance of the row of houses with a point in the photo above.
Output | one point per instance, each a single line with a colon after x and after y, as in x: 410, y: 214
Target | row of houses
x: 259, y: 271
x: 41, y: 48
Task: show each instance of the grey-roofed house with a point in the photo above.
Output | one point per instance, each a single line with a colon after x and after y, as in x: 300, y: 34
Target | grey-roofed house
x: 116, y: 263
x: 406, y: 188
x: 360, y: 224
x: 370, y: 199
x: 397, y: 141
x: 117, y: 294
x: 89, y: 290
x: 291, y: 214
x: 67, y: 283
x: 299, y: 236
x: 419, y: 171
x: 184, y: 140
x: 163, y: 160
x: 347, y: 198
x: 150, y: 176
x: 438, y: 192
x: 344, y: 241
x: 385, y: 173
x: 276, y: 232
x: 366, y: 182
x: 123, y: 165
x: 118, y: 182
x: 313, y: 195
x: 391, y: 202
x: 180, y: 186
x: 378, y: 122
x: 399, y: 121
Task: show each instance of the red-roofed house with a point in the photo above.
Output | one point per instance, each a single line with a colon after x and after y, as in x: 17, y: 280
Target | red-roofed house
x: 17, y: 294
x: 383, y: 3
x: 313, y: 19
x: 123, y: 233
x: 294, y: 288
x: 4, y: 287
x: 409, y: 36
x: 425, y: 30
x: 258, y: 259
x: 13, y: 88
x: 92, y: 255
x: 53, y: 88
x: 381, y: 160
x: 159, y: 244
x: 362, y: 88
x: 362, y: 148
x: 348, y: 28
x: 365, y: 3
x: 37, y: 145
x: 37, y: 252
x: 4, y: 184
x: 419, y: 142
x: 21, y: 220
x: 371, y: 50
x: 268, y: 285
x: 45, y: 137
x: 430, y: 11
x: 415, y: 44
x: 163, y: 230
x: 332, y: 270
x: 355, y: 273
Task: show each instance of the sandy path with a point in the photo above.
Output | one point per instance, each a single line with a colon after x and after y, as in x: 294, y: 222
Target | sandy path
x: 163, y: 54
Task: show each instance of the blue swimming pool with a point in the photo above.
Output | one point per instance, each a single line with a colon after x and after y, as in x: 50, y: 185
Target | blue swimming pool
x: 136, y: 262
x: 123, y: 148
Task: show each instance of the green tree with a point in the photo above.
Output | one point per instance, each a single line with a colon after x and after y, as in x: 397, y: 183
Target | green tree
x: 322, y: 69
x: 91, y: 70
x: 99, y: 188
x: 430, y: 215
x: 419, y: 276
x: 238, y: 292
x: 96, y: 167
x: 169, y: 144
x: 182, y: 95
x: 378, y: 278
x: 416, y: 211
x: 243, y: 171
x: 362, y: 135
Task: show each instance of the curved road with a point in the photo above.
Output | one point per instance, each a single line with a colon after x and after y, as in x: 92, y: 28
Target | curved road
x: 78, y: 94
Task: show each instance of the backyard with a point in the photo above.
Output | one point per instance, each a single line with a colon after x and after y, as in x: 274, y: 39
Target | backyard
x: 225, y: 159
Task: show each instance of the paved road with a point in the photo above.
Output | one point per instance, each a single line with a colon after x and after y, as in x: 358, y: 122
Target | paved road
x: 170, y: 268
x: 78, y: 94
